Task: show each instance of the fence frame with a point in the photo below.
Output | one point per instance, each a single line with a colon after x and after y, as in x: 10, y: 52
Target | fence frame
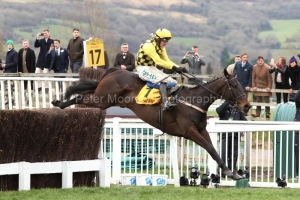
x: 25, y: 169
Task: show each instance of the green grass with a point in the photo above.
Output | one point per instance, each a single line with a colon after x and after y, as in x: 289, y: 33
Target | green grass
x: 153, y: 193
x: 282, y: 29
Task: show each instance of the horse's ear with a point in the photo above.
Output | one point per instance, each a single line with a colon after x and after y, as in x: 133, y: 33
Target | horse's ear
x: 234, y: 74
x: 226, y: 72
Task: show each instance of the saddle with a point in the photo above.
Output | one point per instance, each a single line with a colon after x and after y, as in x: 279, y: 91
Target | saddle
x: 150, y: 94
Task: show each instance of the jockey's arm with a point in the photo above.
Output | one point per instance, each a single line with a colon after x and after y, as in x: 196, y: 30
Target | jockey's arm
x: 162, y: 61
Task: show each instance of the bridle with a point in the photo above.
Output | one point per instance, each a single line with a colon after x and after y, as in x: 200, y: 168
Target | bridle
x: 229, y: 87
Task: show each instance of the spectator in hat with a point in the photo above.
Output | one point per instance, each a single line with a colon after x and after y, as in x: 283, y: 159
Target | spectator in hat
x: 294, y: 75
x: 11, y: 59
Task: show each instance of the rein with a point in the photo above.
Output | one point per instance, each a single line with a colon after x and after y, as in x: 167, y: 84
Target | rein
x: 199, y: 83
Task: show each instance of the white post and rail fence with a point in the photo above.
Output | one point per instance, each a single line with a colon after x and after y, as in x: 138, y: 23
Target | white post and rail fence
x: 135, y: 148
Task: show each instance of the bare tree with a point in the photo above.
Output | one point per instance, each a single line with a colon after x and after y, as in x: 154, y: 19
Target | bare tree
x: 89, y: 16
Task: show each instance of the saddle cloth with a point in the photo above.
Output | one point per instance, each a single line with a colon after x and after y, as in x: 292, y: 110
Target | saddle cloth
x: 151, y: 97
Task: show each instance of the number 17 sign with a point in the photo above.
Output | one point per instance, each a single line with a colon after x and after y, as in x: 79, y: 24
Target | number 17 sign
x: 93, y: 52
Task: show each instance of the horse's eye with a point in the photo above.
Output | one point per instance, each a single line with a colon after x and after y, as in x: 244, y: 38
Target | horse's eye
x: 234, y: 86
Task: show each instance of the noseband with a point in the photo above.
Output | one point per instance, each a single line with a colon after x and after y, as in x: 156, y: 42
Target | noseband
x: 230, y: 89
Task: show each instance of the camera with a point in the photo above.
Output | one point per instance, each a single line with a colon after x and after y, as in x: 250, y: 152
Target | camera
x: 205, y: 179
x: 42, y: 34
x: 298, y: 55
x: 191, y: 53
x: 281, y: 182
x: 244, y: 173
x: 194, y: 174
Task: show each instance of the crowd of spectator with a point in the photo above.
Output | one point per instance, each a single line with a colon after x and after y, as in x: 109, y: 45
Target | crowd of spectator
x: 258, y: 76
x: 53, y: 57
x: 58, y: 59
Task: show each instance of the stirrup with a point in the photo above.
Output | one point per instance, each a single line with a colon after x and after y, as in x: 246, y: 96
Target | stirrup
x: 168, y: 105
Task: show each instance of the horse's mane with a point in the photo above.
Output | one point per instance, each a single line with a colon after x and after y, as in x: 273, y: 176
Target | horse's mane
x: 212, y: 80
x: 203, y: 83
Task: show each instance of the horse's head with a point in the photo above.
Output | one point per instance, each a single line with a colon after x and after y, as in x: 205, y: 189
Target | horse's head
x: 234, y: 92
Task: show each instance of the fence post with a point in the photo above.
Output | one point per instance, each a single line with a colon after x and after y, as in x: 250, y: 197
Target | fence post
x: 105, y: 172
x: 24, y: 176
x: 212, y: 165
x: 247, y: 146
x: 174, y: 159
x: 67, y: 175
x: 116, y: 150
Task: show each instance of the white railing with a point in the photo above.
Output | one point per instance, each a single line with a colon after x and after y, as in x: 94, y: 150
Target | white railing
x: 259, y: 154
x: 25, y: 169
x: 14, y: 96
x: 266, y: 163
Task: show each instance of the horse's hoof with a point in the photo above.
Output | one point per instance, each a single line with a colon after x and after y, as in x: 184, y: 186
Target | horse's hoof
x: 236, y: 177
x: 227, y: 172
x: 56, y: 103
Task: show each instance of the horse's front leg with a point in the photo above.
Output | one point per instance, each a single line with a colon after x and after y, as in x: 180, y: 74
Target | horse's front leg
x: 204, y: 141
x: 225, y: 170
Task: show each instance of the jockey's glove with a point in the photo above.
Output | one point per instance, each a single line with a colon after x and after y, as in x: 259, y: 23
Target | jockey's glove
x: 180, y: 70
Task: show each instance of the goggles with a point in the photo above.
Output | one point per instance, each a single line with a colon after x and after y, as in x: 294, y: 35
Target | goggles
x: 165, y: 39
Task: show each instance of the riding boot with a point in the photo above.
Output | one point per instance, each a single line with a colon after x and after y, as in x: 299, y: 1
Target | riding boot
x: 164, y: 98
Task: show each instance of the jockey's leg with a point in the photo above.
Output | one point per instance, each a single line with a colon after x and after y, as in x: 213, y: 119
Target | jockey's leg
x: 164, y: 98
x: 154, y: 75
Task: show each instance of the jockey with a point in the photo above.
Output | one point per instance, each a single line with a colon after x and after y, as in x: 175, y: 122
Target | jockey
x: 153, y: 53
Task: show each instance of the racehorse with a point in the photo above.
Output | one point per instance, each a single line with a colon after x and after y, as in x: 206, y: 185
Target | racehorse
x: 188, y: 119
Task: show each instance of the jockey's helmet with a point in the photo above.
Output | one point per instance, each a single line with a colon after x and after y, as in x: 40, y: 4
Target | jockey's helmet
x: 163, y: 33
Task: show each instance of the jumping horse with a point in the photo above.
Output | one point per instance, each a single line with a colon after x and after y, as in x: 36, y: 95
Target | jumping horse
x: 188, y: 119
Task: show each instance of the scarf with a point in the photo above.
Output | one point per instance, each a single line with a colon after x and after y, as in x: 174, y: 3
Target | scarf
x: 280, y: 66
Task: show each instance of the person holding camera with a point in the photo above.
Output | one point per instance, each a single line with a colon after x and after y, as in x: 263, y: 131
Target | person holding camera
x: 195, y: 62
x: 125, y: 59
x: 281, y: 78
x: 44, y: 45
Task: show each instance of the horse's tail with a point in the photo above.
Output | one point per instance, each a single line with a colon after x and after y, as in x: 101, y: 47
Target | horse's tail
x: 84, y: 86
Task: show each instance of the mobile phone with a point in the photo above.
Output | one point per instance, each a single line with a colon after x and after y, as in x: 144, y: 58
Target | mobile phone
x: 41, y: 34
x: 52, y: 45
x: 272, y: 60
x: 191, y: 53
